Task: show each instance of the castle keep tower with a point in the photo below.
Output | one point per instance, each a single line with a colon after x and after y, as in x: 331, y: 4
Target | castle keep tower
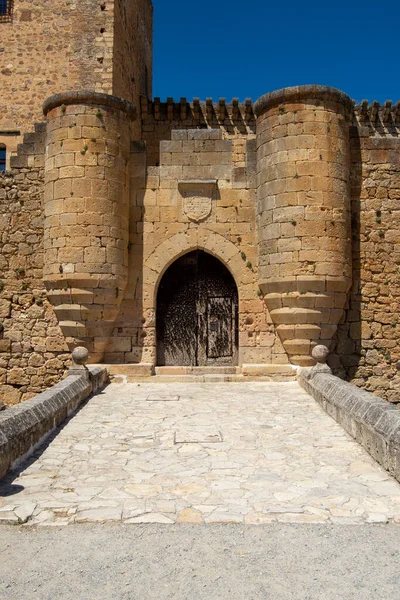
x: 303, y: 164
x: 50, y: 46
x: 86, y: 230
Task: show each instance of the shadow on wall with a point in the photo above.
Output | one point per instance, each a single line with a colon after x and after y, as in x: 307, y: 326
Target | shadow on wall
x: 128, y: 343
x: 345, y: 359
x: 367, y: 351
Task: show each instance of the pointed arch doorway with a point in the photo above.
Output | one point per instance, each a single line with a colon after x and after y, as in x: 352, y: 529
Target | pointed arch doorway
x: 197, y: 313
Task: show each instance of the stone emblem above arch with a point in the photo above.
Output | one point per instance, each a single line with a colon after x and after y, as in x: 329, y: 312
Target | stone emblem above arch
x: 197, y: 197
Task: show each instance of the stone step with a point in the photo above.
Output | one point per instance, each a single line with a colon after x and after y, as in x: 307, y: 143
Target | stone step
x: 132, y: 371
x: 268, y: 370
x: 199, y: 378
x: 205, y: 370
x: 214, y: 374
x: 217, y: 378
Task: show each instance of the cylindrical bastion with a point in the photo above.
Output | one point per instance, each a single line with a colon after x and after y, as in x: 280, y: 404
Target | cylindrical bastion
x: 86, y: 232
x: 304, y: 222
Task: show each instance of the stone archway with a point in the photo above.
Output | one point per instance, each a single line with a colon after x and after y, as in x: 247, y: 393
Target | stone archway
x: 197, y: 313
x: 179, y: 244
x: 171, y: 249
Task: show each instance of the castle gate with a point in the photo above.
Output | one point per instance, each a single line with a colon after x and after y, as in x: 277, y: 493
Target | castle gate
x: 197, y: 313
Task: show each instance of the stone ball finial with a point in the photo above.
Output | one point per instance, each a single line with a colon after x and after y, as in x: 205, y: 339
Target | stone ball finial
x: 80, y: 355
x: 320, y: 353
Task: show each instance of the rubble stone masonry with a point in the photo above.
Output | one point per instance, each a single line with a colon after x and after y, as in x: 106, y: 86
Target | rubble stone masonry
x: 33, y: 351
x: 367, y: 350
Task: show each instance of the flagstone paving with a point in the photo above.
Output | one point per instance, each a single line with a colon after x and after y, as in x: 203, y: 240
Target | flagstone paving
x: 201, y: 453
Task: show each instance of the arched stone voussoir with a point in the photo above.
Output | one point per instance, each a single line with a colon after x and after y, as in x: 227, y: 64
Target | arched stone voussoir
x: 193, y: 239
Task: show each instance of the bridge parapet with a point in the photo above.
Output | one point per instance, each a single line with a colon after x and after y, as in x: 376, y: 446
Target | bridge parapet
x: 372, y: 422
x: 24, y: 426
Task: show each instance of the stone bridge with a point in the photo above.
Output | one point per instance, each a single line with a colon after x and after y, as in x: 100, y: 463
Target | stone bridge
x: 152, y: 451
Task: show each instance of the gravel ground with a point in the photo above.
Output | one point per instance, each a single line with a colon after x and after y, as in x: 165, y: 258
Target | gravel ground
x: 200, y: 562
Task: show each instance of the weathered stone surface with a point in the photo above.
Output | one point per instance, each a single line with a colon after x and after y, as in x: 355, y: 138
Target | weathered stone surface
x: 320, y: 353
x: 30, y: 334
x: 5, y: 308
x: 80, y: 355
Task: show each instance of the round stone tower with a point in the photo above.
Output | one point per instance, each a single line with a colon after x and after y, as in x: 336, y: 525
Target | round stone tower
x: 304, y: 222
x: 86, y: 230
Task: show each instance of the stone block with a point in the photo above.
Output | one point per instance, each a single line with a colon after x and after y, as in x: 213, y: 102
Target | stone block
x: 82, y: 188
x: 5, y: 345
x: 115, y: 344
x: 132, y: 370
x: 70, y: 255
x: 263, y: 370
x: 17, y: 376
x: 5, y: 308
x: 179, y: 134
x: 62, y: 188
x: 71, y: 172
x: 66, y: 159
x: 95, y: 255
x: 171, y: 146
x: 54, y: 207
x: 239, y: 177
x: 204, y: 134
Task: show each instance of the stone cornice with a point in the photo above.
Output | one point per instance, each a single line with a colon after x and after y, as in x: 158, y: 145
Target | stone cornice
x: 301, y: 93
x: 89, y: 97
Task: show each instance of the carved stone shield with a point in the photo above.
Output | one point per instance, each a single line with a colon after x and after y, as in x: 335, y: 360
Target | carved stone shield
x: 197, y: 198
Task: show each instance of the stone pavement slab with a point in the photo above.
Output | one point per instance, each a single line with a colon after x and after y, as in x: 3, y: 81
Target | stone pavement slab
x: 252, y: 453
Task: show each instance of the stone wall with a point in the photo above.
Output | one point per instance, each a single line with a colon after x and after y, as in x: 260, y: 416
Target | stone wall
x: 86, y: 229
x: 52, y: 46
x: 367, y: 349
x: 304, y: 237
x: 32, y: 348
x: 192, y: 141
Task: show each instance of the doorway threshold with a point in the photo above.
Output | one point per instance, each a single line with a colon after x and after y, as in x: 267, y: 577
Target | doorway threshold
x: 144, y: 372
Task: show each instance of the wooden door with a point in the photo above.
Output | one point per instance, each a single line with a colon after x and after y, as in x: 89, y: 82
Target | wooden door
x: 197, y: 306
x: 219, y: 328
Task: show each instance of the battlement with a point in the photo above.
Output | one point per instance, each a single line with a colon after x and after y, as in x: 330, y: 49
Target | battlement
x: 374, y: 111
x: 198, y: 111
x: 234, y: 113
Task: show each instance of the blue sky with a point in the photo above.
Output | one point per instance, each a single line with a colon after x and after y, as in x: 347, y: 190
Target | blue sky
x: 232, y: 48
